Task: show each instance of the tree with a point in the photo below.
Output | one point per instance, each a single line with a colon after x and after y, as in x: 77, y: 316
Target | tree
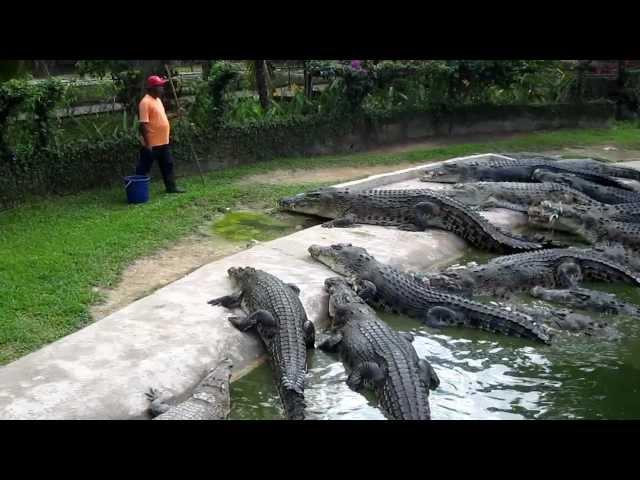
x: 12, y: 69
x: 261, y: 83
x: 127, y: 75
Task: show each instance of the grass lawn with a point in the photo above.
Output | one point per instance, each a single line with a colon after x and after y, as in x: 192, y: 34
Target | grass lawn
x: 54, y: 251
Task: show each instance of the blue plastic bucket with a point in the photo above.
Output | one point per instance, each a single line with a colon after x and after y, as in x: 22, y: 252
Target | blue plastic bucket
x: 137, y: 187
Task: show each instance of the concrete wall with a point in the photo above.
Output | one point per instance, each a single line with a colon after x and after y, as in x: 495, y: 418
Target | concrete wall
x: 466, y: 120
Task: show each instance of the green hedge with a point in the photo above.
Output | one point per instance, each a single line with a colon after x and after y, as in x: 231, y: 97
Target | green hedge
x: 80, y: 165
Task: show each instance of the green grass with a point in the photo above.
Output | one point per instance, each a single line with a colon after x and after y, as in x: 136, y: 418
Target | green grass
x: 54, y: 251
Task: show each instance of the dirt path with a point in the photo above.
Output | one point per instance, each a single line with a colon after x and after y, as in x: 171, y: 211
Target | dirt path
x: 150, y: 273
x: 153, y: 272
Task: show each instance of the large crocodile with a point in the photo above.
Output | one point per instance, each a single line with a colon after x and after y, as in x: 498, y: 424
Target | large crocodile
x: 518, y: 196
x: 375, y: 354
x: 600, y: 193
x: 273, y: 307
x: 587, y: 299
x: 586, y: 164
x: 503, y: 169
x: 553, y: 268
x: 409, y: 210
x: 385, y: 287
x: 209, y: 400
x: 585, y: 223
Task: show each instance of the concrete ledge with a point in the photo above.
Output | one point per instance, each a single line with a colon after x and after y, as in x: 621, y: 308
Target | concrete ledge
x: 169, y: 338
x: 376, y: 181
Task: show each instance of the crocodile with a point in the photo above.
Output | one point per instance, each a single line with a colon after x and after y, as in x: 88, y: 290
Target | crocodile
x: 412, y: 210
x: 585, y: 223
x: 374, y: 354
x: 504, y: 169
x: 275, y: 309
x: 209, y: 400
x: 518, y: 196
x: 600, y: 193
x: 553, y: 268
x: 588, y: 300
x: 385, y: 287
x: 587, y: 164
x: 564, y: 320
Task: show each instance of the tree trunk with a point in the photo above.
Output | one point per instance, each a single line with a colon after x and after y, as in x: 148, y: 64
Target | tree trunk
x: 308, y: 86
x: 261, y: 84
x: 206, y: 68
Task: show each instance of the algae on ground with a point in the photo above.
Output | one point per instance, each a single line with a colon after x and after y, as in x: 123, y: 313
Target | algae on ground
x: 246, y: 226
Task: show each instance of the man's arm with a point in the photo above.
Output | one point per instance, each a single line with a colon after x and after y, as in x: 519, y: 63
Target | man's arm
x: 143, y: 118
x: 144, y: 131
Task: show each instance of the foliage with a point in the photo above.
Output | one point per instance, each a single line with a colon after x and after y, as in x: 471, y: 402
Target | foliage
x: 210, y: 105
x: 36, y: 102
x: 12, y: 94
x: 12, y: 69
x: 128, y: 76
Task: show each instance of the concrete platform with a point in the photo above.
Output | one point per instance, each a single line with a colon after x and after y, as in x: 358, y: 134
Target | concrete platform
x: 169, y: 338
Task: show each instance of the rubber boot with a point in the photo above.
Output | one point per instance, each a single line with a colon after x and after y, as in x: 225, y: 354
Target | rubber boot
x: 170, y: 184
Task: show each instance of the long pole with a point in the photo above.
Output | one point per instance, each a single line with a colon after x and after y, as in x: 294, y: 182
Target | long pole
x: 175, y: 96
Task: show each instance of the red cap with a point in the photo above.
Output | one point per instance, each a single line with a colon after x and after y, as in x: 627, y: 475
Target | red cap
x: 154, y: 81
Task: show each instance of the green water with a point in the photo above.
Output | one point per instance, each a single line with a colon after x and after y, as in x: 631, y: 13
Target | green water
x: 246, y: 226
x: 483, y: 375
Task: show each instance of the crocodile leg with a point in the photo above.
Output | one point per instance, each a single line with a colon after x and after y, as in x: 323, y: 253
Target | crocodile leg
x: 423, y: 211
x: 331, y: 343
x: 409, y: 337
x: 442, y: 316
x: 294, y: 287
x: 228, y: 301
x: 363, y: 372
x: 365, y: 289
x: 158, y: 405
x: 309, y: 334
x: 569, y: 274
x: 428, y: 374
x: 342, y: 222
x: 264, y: 318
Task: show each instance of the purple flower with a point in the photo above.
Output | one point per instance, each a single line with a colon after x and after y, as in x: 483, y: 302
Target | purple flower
x: 356, y: 64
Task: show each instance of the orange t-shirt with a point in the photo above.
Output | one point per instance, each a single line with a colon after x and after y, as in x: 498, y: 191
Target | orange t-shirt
x: 151, y: 111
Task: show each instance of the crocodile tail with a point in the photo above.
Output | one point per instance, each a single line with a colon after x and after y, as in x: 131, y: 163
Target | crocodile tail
x: 294, y: 404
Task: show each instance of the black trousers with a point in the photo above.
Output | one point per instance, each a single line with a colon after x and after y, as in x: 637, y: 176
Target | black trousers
x: 161, y: 154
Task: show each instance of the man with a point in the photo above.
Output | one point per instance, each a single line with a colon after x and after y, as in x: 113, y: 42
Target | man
x: 154, y: 128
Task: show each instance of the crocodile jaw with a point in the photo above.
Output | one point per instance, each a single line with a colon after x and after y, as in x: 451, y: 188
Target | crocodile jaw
x: 441, y: 174
x: 328, y: 257
x: 321, y: 203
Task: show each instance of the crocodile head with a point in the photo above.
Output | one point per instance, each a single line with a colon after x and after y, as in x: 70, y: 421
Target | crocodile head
x: 342, y: 258
x: 325, y: 202
x: 575, y: 296
x: 445, y: 173
x: 240, y: 275
x: 340, y: 295
x: 561, y: 217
